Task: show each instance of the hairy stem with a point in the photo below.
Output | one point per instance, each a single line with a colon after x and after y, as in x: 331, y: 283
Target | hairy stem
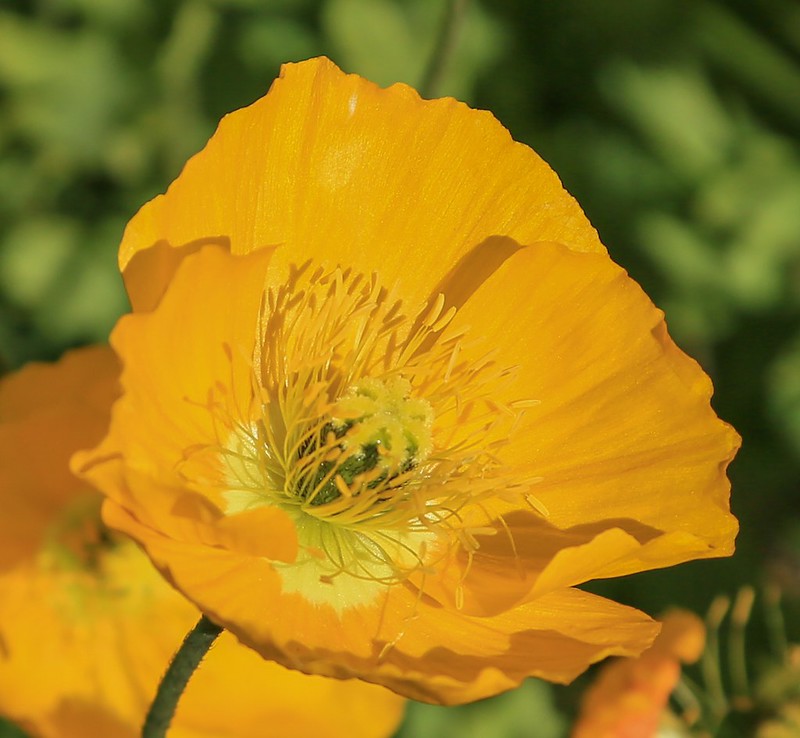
x: 186, y: 660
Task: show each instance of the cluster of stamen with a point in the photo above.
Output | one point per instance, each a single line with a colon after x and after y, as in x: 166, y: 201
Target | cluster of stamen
x: 370, y: 426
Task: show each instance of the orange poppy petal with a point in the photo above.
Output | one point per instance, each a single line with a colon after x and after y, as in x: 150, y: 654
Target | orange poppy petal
x: 172, y: 361
x: 66, y: 403
x: 79, y: 655
x: 87, y: 377
x: 101, y: 659
x: 75, y: 653
x: 332, y: 167
x: 620, y: 429
x: 629, y: 696
x: 525, y: 557
x: 223, y: 582
x: 448, y: 658
x: 150, y: 270
x: 430, y: 653
x: 254, y: 698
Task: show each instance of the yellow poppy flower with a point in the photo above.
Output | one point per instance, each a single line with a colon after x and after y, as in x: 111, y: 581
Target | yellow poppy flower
x: 387, y: 400
x: 87, y: 625
x: 629, y: 698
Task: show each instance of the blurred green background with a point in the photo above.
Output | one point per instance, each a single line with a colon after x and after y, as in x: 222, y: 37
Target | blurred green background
x: 674, y: 122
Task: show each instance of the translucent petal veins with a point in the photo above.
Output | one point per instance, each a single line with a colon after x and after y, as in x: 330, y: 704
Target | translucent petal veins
x: 373, y: 428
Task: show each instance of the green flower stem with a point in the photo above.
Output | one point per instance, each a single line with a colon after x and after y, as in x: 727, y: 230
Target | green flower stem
x: 737, y: 651
x: 185, y: 661
x: 710, y: 661
x: 445, y: 46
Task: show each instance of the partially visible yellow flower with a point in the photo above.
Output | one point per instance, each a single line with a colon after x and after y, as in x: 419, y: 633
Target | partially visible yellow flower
x: 87, y: 625
x: 387, y: 400
x: 629, y: 697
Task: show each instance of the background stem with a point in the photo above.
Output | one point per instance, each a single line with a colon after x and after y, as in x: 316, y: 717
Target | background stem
x: 444, y: 48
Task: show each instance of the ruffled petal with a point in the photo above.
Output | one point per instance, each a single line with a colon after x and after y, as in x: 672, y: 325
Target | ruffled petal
x: 402, y: 640
x: 618, y: 425
x: 336, y: 169
x: 100, y: 660
x: 254, y: 698
x: 453, y: 658
x: 630, y: 696
x: 150, y: 271
x: 85, y: 378
x: 79, y: 653
x: 525, y: 557
x: 167, y: 427
x: 45, y: 412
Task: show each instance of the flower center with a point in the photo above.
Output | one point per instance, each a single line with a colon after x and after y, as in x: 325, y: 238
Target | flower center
x: 83, y: 564
x: 377, y: 433
x: 374, y: 429
x: 77, y: 538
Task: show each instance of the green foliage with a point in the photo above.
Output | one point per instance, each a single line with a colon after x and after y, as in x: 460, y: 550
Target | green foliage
x: 7, y: 730
x: 511, y: 715
x: 389, y: 41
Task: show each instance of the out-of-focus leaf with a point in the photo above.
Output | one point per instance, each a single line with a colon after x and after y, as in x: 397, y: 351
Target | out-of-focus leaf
x: 761, y: 66
x: 680, y: 252
x: 67, y: 88
x: 269, y: 41
x: 8, y: 730
x: 194, y: 29
x: 511, y: 715
x: 110, y: 13
x: 480, y: 42
x: 20, y: 182
x: 272, y: 6
x: 83, y: 304
x: 784, y: 393
x: 675, y: 110
x: 34, y: 257
x: 393, y: 42
x: 379, y: 39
